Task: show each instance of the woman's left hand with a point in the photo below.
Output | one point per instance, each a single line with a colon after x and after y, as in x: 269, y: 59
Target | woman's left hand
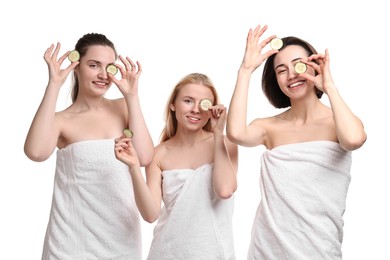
x: 128, y: 84
x: 218, y: 118
x: 320, y: 63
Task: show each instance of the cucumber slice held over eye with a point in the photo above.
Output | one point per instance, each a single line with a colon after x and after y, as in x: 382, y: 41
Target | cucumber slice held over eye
x: 112, y: 69
x: 205, y: 104
x: 276, y: 43
x: 74, y: 56
x: 300, y: 67
x: 127, y: 132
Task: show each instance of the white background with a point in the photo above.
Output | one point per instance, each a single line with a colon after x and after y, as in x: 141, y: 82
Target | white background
x: 172, y: 39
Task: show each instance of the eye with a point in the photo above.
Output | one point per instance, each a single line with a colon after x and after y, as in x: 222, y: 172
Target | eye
x: 187, y: 101
x: 281, y: 71
x: 93, y: 65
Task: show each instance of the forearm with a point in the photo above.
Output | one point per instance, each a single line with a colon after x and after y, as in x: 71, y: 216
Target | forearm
x: 224, y: 171
x: 147, y: 206
x: 42, y: 136
x: 349, y: 128
x: 142, y: 140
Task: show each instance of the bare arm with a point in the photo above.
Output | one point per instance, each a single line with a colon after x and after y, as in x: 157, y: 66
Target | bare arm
x: 225, y: 167
x: 148, y: 204
x: 237, y: 128
x: 349, y: 128
x: 225, y: 156
x: 128, y: 86
x: 44, y: 131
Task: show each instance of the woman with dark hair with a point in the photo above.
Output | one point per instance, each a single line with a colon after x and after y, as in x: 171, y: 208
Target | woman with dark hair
x: 93, y: 213
x: 193, y: 172
x: 305, y: 169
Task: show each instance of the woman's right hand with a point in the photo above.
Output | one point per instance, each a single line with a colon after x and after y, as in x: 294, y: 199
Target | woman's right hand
x: 125, y: 152
x: 253, y: 57
x: 57, y: 76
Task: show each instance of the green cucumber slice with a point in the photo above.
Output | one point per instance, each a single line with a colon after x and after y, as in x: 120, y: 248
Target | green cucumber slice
x: 112, y: 69
x: 74, y: 56
x: 276, y: 43
x: 300, y: 67
x: 127, y: 132
x: 205, y: 104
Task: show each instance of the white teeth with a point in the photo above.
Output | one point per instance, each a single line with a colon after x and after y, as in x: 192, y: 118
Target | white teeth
x: 296, y: 84
x: 193, y: 118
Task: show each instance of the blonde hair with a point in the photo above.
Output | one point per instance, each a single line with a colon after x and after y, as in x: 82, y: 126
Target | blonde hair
x: 170, y: 118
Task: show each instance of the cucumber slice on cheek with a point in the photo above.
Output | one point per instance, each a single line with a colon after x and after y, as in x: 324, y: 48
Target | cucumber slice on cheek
x: 127, y: 132
x: 74, y: 56
x: 112, y: 69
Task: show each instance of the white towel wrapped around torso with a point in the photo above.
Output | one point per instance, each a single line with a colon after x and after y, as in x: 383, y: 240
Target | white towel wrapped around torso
x: 194, y: 224
x: 303, y: 197
x: 93, y: 213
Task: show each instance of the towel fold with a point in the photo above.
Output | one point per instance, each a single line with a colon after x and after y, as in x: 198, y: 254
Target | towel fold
x: 194, y: 223
x: 303, y: 197
x: 93, y: 213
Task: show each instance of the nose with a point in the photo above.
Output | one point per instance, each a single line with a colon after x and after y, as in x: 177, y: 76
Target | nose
x: 195, y: 108
x: 103, y: 73
x: 291, y: 72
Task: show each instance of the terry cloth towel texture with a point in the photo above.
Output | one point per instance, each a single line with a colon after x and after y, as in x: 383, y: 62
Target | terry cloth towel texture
x: 93, y: 213
x: 303, y: 197
x: 194, y: 223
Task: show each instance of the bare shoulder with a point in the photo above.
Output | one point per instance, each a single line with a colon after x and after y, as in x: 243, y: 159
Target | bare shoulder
x: 161, y: 151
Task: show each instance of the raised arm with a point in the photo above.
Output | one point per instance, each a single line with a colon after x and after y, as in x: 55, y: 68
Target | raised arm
x: 349, y: 128
x: 237, y: 128
x: 44, y: 131
x: 148, y: 200
x: 128, y: 86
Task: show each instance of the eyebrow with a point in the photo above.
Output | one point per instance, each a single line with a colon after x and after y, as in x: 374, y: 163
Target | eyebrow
x: 280, y: 65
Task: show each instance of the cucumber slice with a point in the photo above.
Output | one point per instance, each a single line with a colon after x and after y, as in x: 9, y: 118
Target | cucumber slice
x: 112, y: 69
x: 300, y: 67
x: 74, y: 56
x: 127, y: 132
x: 205, y: 104
x: 276, y: 43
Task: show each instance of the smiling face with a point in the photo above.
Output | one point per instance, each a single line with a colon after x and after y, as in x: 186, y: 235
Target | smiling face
x: 91, y: 72
x: 187, y: 106
x: 288, y: 79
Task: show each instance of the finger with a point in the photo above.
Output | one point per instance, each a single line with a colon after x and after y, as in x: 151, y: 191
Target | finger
x: 56, y: 51
x: 132, y: 64
x: 139, y: 67
x: 267, y: 41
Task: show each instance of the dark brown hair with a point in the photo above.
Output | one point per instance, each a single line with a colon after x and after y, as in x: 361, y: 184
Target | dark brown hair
x: 82, y: 45
x: 269, y: 82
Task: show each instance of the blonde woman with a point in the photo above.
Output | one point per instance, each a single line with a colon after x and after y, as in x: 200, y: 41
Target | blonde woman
x: 193, y: 172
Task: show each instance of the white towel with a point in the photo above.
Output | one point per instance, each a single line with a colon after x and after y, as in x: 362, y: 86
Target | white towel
x: 93, y: 213
x: 304, y: 188
x: 194, y: 223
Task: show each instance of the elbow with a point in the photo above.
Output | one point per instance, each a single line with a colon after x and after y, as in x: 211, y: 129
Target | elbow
x: 226, y: 193
x: 150, y: 218
x: 354, y: 143
x: 34, y: 155
x: 233, y: 136
x: 145, y: 159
